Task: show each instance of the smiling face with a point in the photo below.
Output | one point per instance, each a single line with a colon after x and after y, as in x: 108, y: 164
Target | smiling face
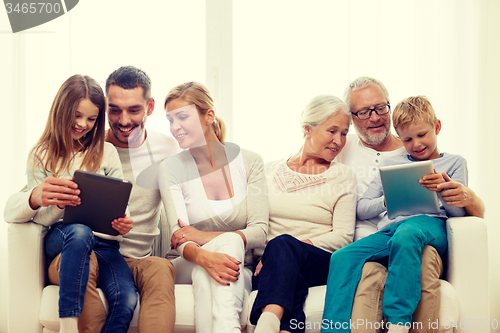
x: 85, y: 118
x: 127, y: 113
x: 326, y: 140
x: 420, y: 140
x: 376, y: 129
x: 186, y: 125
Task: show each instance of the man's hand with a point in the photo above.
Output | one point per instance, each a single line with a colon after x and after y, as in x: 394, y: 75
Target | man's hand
x: 454, y: 193
x: 55, y: 191
x: 123, y: 224
x: 432, y: 180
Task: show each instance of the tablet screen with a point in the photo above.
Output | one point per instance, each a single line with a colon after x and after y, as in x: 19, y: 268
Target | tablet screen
x: 404, y: 195
x: 103, y: 199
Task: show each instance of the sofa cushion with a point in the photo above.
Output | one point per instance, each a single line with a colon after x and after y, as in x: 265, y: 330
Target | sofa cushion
x: 49, y: 309
x: 315, y: 301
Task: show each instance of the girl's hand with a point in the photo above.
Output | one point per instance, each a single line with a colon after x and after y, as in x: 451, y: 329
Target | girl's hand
x: 55, y: 191
x: 221, y: 267
x: 188, y: 233
x: 122, y: 224
x: 432, y: 180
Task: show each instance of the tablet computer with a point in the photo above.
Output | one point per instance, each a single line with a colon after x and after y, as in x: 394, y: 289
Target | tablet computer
x: 404, y: 195
x: 103, y: 199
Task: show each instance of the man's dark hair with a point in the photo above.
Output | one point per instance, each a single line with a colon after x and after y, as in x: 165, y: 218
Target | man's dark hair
x: 130, y: 77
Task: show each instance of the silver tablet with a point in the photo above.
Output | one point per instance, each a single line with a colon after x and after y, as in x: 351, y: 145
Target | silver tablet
x: 404, y: 195
x: 103, y: 200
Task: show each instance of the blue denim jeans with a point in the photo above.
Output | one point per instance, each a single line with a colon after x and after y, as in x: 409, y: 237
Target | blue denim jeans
x: 75, y: 242
x: 400, y: 244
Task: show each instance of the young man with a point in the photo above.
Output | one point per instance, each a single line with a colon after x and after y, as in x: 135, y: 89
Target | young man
x: 128, y: 91
x: 368, y: 100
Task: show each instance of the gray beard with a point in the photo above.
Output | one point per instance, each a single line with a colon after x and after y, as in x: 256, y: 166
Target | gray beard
x: 371, y: 139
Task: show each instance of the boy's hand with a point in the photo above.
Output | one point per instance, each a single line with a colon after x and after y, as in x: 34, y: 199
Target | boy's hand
x: 122, y: 224
x: 432, y: 180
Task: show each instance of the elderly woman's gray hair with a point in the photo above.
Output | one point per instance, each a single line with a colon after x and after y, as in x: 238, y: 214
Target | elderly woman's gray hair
x: 320, y: 108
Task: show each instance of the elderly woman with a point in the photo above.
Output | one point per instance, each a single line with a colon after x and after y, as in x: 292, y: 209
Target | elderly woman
x: 311, y: 214
x: 216, y: 206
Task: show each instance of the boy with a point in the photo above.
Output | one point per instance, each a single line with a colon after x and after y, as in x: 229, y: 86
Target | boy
x: 400, y: 240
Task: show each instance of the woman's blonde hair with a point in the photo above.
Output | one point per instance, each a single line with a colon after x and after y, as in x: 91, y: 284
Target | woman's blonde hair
x: 56, y: 143
x: 199, y: 95
x: 415, y: 109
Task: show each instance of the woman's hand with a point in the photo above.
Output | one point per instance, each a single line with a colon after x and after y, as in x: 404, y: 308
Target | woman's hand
x: 188, y: 233
x: 258, y: 268
x: 221, y: 267
x: 122, y: 224
x: 55, y: 191
x: 432, y: 180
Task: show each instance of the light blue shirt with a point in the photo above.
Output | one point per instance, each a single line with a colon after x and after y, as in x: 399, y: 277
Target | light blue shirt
x: 372, y: 202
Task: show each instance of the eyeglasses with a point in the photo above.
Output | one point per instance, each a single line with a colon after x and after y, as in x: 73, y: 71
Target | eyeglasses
x: 379, y: 110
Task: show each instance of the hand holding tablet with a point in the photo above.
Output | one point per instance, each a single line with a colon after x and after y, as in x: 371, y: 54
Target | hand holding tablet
x: 404, y: 195
x: 103, y: 200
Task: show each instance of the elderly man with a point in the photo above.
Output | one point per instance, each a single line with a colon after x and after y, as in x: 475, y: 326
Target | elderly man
x: 368, y: 100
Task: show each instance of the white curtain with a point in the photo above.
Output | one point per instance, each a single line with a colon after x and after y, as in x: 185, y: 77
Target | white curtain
x: 282, y: 54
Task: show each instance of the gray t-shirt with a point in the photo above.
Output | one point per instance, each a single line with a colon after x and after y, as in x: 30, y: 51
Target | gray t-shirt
x: 138, y: 166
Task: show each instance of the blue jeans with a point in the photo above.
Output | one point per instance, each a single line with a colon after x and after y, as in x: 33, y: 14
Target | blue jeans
x: 289, y: 268
x: 75, y: 242
x: 401, y: 244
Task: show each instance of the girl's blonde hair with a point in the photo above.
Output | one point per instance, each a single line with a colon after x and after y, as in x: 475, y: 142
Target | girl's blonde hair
x: 415, y: 109
x: 55, y: 148
x: 199, y: 95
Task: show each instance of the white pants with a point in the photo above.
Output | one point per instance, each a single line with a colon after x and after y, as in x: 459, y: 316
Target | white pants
x: 217, y: 308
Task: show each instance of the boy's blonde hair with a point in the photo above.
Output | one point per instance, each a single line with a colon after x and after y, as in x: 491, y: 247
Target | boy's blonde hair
x: 415, y: 109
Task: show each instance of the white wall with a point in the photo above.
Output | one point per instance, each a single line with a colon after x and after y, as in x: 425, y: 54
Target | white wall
x: 488, y: 182
x: 280, y: 54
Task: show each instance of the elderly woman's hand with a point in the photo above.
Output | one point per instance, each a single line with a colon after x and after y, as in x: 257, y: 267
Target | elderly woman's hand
x: 258, y: 268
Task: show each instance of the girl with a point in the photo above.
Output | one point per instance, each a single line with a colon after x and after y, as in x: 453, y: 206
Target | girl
x: 74, y: 139
x: 216, y: 206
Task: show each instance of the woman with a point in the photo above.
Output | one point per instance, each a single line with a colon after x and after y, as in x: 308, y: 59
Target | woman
x: 216, y: 206
x: 74, y: 139
x: 312, y: 213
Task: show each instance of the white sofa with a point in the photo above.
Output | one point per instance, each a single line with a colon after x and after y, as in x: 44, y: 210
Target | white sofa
x: 465, y: 293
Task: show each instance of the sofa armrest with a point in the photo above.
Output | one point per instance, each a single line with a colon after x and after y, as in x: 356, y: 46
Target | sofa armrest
x: 468, y: 272
x: 26, y: 262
